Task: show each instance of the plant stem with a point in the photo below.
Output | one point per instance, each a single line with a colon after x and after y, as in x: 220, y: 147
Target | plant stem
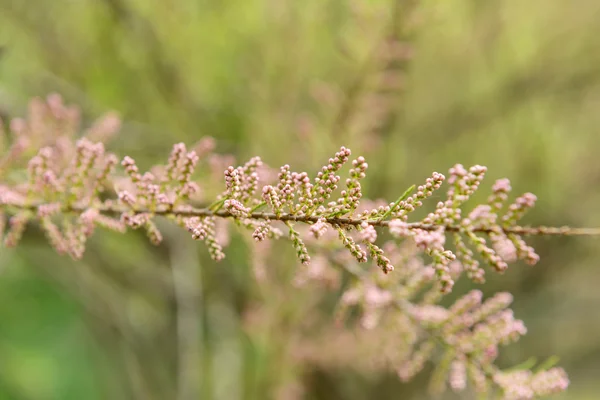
x: 206, y: 212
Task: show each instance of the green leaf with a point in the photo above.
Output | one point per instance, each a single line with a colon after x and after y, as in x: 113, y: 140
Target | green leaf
x: 401, y: 198
x: 338, y: 214
x: 258, y: 206
x: 549, y: 363
x: 527, y: 364
x: 216, y: 206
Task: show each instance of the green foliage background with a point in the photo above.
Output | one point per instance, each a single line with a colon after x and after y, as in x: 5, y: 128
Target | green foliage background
x: 509, y: 84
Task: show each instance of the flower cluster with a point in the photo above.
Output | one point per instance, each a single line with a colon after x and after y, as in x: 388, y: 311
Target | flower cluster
x: 73, y: 185
x: 463, y: 339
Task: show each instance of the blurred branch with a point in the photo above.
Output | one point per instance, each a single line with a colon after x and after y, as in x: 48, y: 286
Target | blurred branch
x: 535, y: 80
x: 141, y: 359
x: 397, y: 31
x: 352, y: 93
x: 169, y: 79
x: 186, y: 269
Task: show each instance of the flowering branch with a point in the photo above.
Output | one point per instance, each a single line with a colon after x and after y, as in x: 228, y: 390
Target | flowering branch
x: 70, y: 186
x: 116, y: 210
x: 468, y: 335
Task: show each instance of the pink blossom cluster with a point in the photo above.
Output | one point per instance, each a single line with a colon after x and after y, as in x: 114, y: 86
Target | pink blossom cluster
x: 526, y: 385
x: 464, y: 338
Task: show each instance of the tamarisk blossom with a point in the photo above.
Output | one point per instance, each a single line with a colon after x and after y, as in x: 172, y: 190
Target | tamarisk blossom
x: 397, y: 268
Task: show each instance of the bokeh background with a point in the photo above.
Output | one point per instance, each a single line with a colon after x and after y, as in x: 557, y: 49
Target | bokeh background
x: 414, y: 86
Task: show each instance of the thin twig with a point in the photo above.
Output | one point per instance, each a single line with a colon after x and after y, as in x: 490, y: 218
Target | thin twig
x: 340, y: 221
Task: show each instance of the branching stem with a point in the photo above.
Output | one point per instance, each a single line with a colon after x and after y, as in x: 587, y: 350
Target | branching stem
x: 340, y: 221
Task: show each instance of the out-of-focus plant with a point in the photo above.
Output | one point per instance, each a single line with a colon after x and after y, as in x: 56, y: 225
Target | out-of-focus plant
x: 396, y: 271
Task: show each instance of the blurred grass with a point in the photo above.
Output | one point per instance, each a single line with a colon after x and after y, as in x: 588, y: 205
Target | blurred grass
x: 509, y: 84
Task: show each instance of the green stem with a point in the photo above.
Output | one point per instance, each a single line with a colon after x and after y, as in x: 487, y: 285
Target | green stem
x: 401, y: 198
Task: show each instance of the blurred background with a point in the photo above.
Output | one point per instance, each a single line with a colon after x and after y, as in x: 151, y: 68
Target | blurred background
x: 414, y: 86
